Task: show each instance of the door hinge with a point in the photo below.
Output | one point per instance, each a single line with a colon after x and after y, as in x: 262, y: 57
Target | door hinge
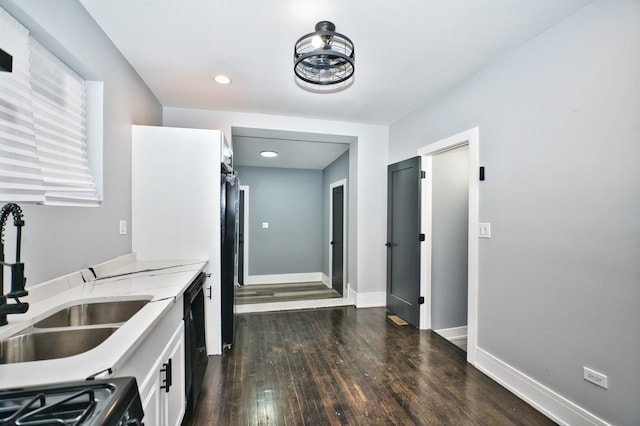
x: 421, y: 300
x: 421, y: 237
x: 423, y: 174
x: 481, y: 174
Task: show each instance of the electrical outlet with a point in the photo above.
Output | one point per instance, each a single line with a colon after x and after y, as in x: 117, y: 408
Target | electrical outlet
x: 596, y: 378
x: 123, y: 227
x: 484, y: 230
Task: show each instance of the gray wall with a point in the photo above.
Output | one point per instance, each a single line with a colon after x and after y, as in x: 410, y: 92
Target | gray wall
x: 59, y: 240
x: 290, y: 200
x: 450, y: 226
x: 559, y: 123
x: 334, y: 172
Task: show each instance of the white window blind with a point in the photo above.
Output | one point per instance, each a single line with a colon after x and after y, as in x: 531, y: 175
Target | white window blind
x: 59, y: 121
x: 20, y: 174
x: 52, y: 104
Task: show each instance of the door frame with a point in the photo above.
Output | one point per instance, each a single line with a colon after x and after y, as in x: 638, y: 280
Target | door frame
x: 343, y: 183
x: 471, y: 139
x: 245, y: 231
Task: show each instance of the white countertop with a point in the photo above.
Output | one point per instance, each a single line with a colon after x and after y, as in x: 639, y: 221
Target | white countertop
x: 161, y: 282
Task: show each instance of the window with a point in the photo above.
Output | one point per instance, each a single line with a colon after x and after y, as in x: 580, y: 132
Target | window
x: 43, y: 150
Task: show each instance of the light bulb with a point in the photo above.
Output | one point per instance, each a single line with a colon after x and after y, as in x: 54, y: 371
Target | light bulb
x: 222, y: 79
x: 269, y: 154
x: 317, y: 42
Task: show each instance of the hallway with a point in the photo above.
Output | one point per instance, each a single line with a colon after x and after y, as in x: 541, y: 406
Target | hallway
x: 347, y: 366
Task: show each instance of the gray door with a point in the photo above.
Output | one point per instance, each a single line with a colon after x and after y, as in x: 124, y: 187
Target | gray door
x: 337, y: 239
x: 403, y: 240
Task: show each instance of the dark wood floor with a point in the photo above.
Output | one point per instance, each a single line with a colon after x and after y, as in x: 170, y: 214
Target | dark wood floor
x: 342, y: 366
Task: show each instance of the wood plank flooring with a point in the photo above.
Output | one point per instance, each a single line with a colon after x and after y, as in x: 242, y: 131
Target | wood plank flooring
x: 342, y: 366
x: 269, y: 293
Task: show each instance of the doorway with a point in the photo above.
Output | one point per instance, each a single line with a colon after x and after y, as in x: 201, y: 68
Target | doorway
x: 469, y: 140
x: 338, y: 234
x: 288, y: 219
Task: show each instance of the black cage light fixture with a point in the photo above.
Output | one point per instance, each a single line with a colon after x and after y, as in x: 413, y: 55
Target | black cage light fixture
x: 324, y: 61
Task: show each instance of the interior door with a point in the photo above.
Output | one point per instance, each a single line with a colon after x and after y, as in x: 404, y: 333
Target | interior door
x: 337, y: 239
x: 404, y: 239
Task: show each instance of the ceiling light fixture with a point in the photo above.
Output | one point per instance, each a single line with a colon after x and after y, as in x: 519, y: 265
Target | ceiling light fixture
x: 324, y: 61
x: 222, y: 79
x: 269, y: 154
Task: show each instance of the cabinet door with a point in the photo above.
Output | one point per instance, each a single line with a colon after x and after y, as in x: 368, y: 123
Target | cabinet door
x: 150, y: 405
x: 172, y: 401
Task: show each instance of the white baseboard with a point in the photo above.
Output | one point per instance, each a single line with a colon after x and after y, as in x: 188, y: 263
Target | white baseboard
x: 291, y: 305
x: 283, y: 278
x: 453, y: 333
x: 326, y: 280
x: 552, y: 404
x: 352, y: 296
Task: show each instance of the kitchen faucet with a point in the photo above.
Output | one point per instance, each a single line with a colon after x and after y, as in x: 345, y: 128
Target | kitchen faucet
x: 18, y: 279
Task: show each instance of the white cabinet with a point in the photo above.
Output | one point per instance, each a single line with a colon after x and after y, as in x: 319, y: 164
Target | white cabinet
x: 175, y: 184
x: 158, y: 365
x: 163, y: 398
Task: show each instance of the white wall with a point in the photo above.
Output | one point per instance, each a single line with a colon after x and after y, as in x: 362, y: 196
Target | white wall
x: 559, y: 282
x: 59, y: 240
x: 367, y: 177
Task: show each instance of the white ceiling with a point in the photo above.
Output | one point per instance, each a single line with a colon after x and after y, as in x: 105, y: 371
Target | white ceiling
x: 407, y: 52
x: 296, y: 150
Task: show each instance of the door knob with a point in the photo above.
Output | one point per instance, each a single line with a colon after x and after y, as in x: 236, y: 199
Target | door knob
x: 388, y: 244
x: 332, y: 243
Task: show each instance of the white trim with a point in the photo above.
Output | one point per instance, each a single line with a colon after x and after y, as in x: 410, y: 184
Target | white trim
x: 470, y: 138
x: 453, y: 333
x: 425, y: 250
x: 343, y: 184
x: 245, y: 242
x: 95, y: 133
x: 304, y: 277
x: 325, y: 280
x: 352, y: 296
x: 552, y: 404
x: 291, y: 305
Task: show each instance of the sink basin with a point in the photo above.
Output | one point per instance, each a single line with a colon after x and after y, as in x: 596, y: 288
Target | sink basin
x: 51, y: 344
x: 93, y: 314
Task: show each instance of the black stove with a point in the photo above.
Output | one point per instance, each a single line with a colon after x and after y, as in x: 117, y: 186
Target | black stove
x: 109, y: 402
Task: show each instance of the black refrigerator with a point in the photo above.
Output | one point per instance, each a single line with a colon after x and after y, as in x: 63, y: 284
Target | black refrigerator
x: 228, y: 249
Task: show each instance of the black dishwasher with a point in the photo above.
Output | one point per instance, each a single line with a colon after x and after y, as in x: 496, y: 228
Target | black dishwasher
x: 195, y: 344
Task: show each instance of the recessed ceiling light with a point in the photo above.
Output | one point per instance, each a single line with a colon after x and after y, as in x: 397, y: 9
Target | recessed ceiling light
x: 269, y: 154
x: 222, y: 79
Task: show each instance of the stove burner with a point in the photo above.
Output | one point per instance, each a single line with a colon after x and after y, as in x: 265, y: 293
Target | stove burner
x: 96, y: 402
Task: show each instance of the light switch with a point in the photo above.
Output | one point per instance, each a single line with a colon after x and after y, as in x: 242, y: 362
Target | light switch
x: 123, y: 227
x: 265, y: 225
x: 484, y: 230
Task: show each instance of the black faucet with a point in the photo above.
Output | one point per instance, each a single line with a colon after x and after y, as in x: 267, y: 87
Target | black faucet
x: 18, y: 279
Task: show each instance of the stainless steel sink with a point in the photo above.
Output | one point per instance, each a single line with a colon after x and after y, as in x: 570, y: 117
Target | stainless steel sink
x: 52, y: 344
x: 93, y: 314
